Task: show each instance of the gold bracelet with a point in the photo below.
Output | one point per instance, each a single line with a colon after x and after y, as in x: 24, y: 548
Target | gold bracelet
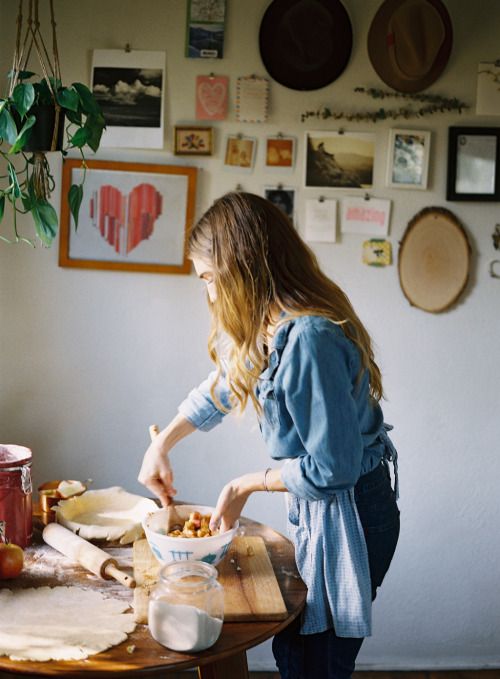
x: 265, y: 481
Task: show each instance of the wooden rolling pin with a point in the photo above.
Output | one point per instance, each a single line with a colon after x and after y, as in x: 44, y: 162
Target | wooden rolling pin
x: 85, y: 553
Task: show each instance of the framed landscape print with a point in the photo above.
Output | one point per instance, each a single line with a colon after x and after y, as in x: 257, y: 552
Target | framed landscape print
x: 339, y: 159
x: 473, y: 164
x: 133, y: 217
x: 408, y: 159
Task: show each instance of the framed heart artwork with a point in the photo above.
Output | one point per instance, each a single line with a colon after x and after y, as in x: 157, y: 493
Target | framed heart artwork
x: 211, y: 97
x: 133, y: 216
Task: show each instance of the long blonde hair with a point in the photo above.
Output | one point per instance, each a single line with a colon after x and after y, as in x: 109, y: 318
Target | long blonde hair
x: 261, y: 265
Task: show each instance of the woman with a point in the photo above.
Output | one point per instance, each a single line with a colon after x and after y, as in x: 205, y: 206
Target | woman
x: 286, y: 338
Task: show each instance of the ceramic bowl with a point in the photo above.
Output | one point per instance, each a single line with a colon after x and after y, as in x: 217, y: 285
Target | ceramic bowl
x: 167, y: 549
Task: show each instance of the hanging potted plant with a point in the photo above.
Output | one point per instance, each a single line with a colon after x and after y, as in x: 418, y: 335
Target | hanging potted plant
x: 40, y: 115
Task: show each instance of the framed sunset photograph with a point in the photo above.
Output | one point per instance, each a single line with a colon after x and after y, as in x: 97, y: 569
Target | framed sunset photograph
x: 280, y: 152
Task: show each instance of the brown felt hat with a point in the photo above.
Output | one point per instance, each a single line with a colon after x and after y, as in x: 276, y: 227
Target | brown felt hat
x: 409, y: 43
x: 305, y: 44
x: 434, y: 260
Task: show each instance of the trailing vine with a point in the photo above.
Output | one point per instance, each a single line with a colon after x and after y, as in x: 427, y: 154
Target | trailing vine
x: 428, y: 105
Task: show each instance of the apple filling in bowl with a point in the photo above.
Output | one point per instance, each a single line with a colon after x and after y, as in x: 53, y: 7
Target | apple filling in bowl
x: 196, y: 526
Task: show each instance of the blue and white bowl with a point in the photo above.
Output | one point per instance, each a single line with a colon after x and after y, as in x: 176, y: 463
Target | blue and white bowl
x: 167, y: 549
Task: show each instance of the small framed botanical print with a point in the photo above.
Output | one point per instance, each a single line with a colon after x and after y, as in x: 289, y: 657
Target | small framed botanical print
x: 193, y: 141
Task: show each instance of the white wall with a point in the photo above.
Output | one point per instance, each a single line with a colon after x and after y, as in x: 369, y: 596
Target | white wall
x: 89, y: 359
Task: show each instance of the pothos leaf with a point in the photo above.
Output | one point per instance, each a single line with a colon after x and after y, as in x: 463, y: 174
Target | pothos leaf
x: 94, y: 125
x: 46, y: 223
x: 75, y: 197
x: 22, y: 75
x: 73, y: 117
x: 23, y: 96
x: 8, y: 129
x: 80, y: 137
x: 88, y: 103
x: 15, y: 188
x: 23, y: 135
x: 68, y: 98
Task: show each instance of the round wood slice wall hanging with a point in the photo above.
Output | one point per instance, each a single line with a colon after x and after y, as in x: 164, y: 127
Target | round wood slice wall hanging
x: 434, y: 260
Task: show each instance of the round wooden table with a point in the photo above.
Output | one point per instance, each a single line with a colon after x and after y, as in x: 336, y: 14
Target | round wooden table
x: 140, y: 653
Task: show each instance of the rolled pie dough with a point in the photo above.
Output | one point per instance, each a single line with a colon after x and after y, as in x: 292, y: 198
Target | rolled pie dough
x: 85, y: 623
x: 106, y: 514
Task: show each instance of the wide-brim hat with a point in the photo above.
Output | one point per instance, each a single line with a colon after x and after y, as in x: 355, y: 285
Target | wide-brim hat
x: 409, y: 43
x: 434, y: 260
x: 305, y: 44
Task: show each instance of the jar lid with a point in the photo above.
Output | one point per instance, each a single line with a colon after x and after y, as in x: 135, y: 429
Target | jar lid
x: 12, y: 455
x: 189, y: 575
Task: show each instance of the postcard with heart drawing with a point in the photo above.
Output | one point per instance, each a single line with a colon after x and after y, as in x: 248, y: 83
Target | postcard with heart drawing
x: 211, y: 97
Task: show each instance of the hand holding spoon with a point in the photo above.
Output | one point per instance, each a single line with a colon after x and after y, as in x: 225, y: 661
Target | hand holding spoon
x: 173, y: 519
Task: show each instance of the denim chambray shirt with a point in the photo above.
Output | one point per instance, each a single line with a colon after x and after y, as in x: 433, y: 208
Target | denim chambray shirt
x: 319, y: 419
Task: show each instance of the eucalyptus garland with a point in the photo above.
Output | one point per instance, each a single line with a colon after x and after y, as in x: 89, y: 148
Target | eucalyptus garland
x: 429, y: 104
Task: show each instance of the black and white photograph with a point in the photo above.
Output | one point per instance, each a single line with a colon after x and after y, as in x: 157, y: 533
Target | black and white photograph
x: 130, y: 97
x: 339, y: 159
x: 129, y: 87
x: 408, y: 159
x: 283, y: 197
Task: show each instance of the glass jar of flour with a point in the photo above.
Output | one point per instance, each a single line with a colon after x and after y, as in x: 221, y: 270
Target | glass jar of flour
x: 186, y: 608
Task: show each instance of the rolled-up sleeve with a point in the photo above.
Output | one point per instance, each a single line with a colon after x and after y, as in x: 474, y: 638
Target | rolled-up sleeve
x: 317, y: 381
x: 199, y: 407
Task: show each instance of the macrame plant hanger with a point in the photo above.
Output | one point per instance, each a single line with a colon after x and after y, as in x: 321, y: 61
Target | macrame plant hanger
x: 51, y: 73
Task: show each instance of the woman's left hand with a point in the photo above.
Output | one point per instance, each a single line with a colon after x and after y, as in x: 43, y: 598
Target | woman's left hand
x: 230, y: 504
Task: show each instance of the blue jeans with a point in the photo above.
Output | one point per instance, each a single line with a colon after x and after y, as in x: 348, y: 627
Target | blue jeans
x: 325, y: 655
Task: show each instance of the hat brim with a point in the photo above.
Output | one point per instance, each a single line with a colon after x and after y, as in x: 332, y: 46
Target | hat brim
x: 293, y: 75
x: 378, y: 49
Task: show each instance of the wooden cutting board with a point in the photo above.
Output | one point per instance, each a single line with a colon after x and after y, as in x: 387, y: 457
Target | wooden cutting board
x: 251, y: 591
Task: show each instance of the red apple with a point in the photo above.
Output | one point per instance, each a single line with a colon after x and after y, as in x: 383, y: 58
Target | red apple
x: 11, y: 561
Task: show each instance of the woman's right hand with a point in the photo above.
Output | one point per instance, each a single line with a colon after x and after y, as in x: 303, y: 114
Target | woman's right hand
x: 156, y: 473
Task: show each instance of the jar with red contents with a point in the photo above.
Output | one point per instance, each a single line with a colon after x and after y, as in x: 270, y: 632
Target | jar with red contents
x: 15, y: 495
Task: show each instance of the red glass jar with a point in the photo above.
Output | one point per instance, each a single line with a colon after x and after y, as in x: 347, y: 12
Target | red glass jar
x: 15, y: 495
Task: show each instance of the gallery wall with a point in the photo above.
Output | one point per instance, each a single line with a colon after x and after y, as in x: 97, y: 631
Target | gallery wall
x: 88, y: 359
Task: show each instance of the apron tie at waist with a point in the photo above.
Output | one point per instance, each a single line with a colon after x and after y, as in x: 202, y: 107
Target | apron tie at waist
x: 391, y: 455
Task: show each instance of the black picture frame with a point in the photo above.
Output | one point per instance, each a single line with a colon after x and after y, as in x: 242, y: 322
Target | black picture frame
x: 471, y: 152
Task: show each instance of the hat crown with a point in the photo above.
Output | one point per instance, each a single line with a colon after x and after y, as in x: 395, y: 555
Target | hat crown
x: 305, y: 44
x: 416, y: 33
x: 305, y: 34
x: 409, y: 42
